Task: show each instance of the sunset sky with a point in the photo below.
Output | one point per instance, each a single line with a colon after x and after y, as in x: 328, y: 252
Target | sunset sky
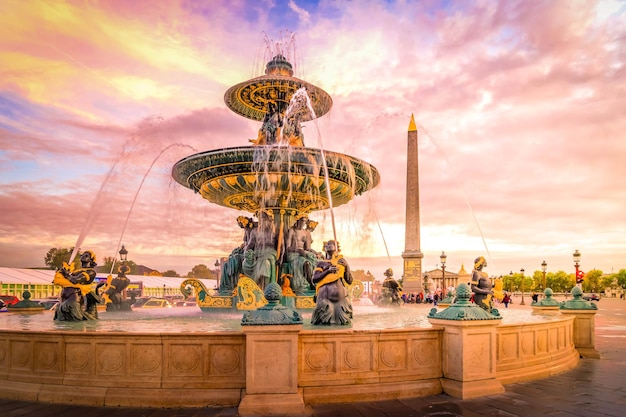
x: 520, y: 107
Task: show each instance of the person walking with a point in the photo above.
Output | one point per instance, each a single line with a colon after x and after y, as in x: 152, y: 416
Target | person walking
x: 506, y: 300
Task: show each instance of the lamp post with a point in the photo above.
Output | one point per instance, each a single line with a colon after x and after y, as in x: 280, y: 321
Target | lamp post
x: 511, y: 281
x: 443, y: 257
x: 217, y: 274
x: 522, y: 303
x: 544, y: 267
x: 579, y: 279
x: 163, y: 290
x: 123, y: 257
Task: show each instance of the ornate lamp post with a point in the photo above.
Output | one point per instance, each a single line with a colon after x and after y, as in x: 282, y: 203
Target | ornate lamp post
x: 217, y: 273
x: 511, y: 282
x: 163, y: 290
x: 544, y: 267
x: 579, y: 279
x: 522, y: 303
x: 443, y: 257
x: 123, y: 257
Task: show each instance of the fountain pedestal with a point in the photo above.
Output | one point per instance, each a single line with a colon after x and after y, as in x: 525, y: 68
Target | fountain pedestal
x: 469, y: 347
x: 584, y: 332
x: 272, y: 372
x: 469, y: 358
x: 584, y: 313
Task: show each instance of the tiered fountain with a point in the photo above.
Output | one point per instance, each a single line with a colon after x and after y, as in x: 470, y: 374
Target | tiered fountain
x: 266, y: 369
x: 277, y: 179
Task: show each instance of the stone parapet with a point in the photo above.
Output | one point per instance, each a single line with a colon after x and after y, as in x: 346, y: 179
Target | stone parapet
x: 304, y: 366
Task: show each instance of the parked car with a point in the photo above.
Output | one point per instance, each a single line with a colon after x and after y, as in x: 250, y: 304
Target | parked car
x: 155, y: 303
x: 591, y: 297
x: 187, y: 303
x: 9, y: 300
x: 140, y: 301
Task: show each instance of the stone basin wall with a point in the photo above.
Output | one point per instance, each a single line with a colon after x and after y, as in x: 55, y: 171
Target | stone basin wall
x: 209, y: 369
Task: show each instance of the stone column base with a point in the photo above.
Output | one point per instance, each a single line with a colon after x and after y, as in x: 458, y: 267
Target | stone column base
x: 274, y: 404
x: 471, y: 389
x: 588, y: 353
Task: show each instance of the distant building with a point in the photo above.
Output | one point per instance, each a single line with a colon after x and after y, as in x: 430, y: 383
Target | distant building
x: 434, y: 279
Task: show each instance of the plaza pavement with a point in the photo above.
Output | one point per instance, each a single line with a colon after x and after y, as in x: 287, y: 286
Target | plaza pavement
x: 595, y: 388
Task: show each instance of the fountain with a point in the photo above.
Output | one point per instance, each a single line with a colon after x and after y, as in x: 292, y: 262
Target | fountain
x: 278, y: 180
x: 185, y: 360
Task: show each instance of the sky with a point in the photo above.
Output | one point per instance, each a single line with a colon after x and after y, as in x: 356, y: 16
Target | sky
x: 520, y: 108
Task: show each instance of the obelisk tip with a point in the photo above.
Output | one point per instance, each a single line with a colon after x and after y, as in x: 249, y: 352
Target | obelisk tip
x: 412, y: 126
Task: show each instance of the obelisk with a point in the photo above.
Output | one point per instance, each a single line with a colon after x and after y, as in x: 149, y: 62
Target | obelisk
x: 412, y: 255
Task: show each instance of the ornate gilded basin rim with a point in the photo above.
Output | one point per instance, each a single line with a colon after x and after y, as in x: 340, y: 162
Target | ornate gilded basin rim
x: 282, y: 177
x: 250, y: 98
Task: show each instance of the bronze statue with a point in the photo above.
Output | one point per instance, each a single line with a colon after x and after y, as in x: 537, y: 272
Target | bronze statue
x: 391, y: 290
x: 300, y: 258
x: 331, y: 276
x: 76, y: 285
x: 114, y: 294
x: 481, y: 285
x: 262, y: 243
x: 232, y: 268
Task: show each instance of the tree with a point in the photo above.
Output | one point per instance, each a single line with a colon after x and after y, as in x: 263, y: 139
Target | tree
x: 108, y: 263
x: 56, y: 256
x: 538, y: 281
x: 592, y: 281
x: 559, y: 281
x: 200, y: 271
x: 170, y: 273
x: 621, y: 278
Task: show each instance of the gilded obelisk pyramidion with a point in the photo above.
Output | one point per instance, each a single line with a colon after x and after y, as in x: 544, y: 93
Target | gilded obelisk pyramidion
x: 412, y: 255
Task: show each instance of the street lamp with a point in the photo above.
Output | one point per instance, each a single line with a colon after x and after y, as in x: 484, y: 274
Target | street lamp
x: 522, y: 303
x: 443, y: 257
x: 123, y: 269
x: 217, y: 273
x: 511, y: 282
x: 579, y: 278
x: 544, y: 267
x: 163, y: 290
x: 123, y: 254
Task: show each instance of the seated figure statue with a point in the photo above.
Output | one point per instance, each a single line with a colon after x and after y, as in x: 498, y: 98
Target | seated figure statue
x: 260, y: 251
x: 391, y: 290
x: 331, y: 276
x: 114, y: 294
x: 232, y: 268
x: 301, y: 259
x: 481, y: 285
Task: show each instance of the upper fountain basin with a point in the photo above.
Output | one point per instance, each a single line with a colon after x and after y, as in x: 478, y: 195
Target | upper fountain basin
x: 281, y: 177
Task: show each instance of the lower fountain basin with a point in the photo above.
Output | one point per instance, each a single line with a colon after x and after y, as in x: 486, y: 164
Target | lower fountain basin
x: 181, y: 357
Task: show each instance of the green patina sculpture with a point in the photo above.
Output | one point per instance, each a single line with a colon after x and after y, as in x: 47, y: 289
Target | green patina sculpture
x: 391, y: 290
x: 26, y: 304
x: 78, y: 298
x: 577, y: 302
x: 481, y: 285
x: 547, y: 300
x: 331, y: 277
x: 464, y: 309
x: 277, y: 179
x: 273, y: 313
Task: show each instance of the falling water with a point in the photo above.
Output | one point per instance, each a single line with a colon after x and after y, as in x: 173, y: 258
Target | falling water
x: 119, y: 242
x: 301, y: 96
